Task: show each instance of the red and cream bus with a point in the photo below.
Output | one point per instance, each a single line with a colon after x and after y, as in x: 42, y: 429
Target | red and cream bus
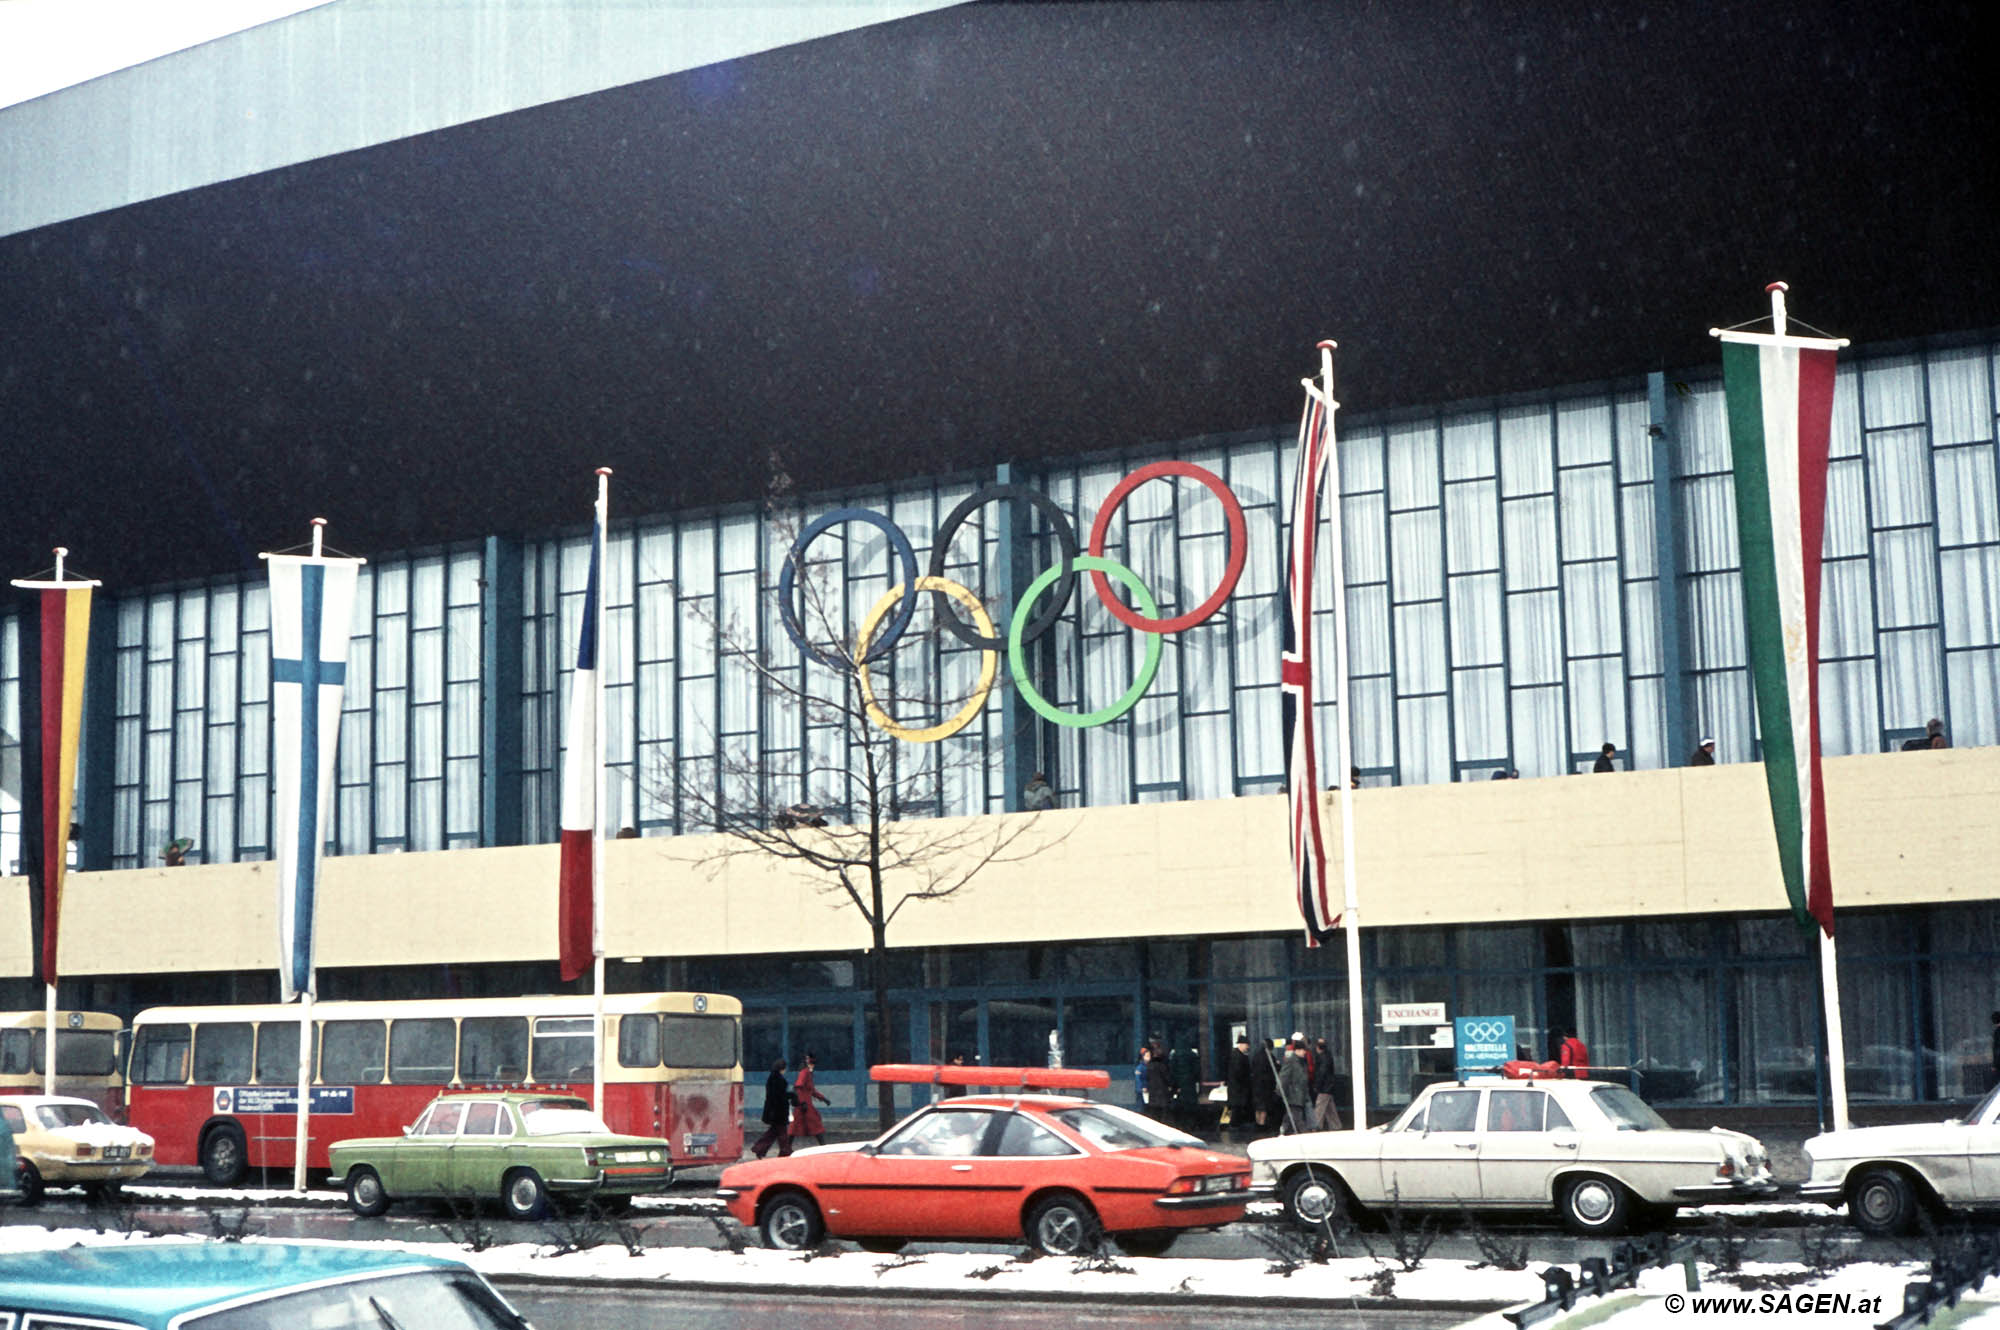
x: 218, y: 1086
x: 86, y: 1055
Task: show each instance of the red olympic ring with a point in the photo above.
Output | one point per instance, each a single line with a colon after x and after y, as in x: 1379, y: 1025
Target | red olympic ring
x: 1238, y: 546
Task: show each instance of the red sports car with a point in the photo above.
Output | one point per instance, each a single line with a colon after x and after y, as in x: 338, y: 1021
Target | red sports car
x: 995, y: 1167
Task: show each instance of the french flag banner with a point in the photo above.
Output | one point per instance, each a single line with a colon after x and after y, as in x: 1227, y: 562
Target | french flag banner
x: 312, y: 609
x: 577, y: 932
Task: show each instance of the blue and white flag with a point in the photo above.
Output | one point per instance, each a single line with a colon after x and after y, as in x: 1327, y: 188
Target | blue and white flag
x: 312, y: 607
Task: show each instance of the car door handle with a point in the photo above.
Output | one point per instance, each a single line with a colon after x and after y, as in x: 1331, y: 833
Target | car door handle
x: 1466, y: 1145
x: 1563, y: 1145
x: 961, y: 1168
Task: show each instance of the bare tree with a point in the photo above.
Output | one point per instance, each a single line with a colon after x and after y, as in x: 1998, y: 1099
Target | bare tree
x: 862, y: 812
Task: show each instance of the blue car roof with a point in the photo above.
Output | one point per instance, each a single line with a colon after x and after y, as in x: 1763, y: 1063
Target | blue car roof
x: 151, y: 1283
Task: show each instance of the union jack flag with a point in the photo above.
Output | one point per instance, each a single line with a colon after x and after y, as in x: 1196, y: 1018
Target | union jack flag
x: 1296, y: 674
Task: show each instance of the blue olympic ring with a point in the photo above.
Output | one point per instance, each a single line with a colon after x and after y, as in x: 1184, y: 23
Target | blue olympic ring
x: 905, y: 555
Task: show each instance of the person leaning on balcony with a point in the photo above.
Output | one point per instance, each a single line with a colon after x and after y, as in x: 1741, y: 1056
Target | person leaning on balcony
x: 1703, y: 755
x: 1604, y: 756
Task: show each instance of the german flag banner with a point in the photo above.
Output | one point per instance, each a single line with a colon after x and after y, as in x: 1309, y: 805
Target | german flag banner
x: 55, y: 635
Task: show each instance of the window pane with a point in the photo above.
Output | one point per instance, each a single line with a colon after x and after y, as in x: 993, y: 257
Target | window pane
x: 710, y: 1041
x: 160, y: 1054
x: 222, y: 1054
x: 493, y: 1048
x: 350, y: 1052
x: 421, y: 1052
x: 639, y: 1041
x: 278, y: 1053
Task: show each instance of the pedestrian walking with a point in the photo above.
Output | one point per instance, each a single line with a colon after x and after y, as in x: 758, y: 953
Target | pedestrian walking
x: 806, y: 1124
x: 777, y: 1113
x: 1326, y: 1111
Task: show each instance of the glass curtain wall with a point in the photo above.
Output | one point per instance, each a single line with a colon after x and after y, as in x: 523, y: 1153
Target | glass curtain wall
x: 192, y: 725
x: 1502, y: 598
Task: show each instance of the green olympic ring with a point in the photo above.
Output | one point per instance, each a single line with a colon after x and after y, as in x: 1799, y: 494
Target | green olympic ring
x: 1016, y: 657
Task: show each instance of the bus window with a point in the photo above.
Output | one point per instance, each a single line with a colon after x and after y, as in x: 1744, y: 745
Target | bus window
x: 700, y: 1041
x: 350, y: 1052
x: 159, y: 1054
x: 79, y: 1052
x: 278, y: 1053
x: 639, y: 1041
x: 562, y: 1049
x: 222, y: 1053
x: 15, y: 1059
x: 493, y: 1048
x: 421, y: 1051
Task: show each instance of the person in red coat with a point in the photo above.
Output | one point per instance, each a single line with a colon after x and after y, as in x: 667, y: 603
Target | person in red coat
x: 806, y: 1125
x: 1572, y: 1055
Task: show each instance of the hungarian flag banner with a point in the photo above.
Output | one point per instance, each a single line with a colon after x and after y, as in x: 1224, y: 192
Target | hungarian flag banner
x: 312, y: 611
x: 1780, y: 400
x: 583, y: 768
x: 1295, y: 676
x: 55, y: 634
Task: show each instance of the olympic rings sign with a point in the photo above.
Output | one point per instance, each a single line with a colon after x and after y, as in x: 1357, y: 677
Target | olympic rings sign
x: 877, y: 638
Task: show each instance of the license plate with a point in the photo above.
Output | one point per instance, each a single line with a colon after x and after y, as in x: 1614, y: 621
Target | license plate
x: 699, y: 1142
x: 117, y: 1151
x: 1222, y: 1182
x: 631, y: 1156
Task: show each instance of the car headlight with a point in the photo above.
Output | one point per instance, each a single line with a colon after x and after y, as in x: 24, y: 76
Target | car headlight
x: 653, y: 1156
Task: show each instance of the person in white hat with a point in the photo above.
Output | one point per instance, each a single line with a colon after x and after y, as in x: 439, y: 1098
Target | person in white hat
x: 1704, y: 755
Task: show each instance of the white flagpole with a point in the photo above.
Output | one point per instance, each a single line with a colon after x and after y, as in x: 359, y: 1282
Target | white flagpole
x: 308, y: 715
x: 597, y: 825
x: 1350, y: 915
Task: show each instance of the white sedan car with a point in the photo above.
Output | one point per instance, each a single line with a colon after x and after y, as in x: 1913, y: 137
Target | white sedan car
x: 1595, y: 1153
x: 1885, y: 1175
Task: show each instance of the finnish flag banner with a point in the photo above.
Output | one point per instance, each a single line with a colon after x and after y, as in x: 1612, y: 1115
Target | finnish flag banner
x: 312, y: 608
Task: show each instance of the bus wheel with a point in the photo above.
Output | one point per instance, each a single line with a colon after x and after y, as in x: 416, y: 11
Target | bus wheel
x: 223, y: 1156
x: 523, y: 1194
x: 366, y: 1195
x: 31, y: 1184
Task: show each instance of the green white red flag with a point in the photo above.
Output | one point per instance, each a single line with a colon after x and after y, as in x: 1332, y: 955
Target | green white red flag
x: 1780, y: 400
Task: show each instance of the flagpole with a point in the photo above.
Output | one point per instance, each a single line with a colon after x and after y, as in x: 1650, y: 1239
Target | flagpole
x: 1829, y: 976
x: 1343, y: 747
x: 302, y: 1114
x: 49, y: 998
x: 597, y: 823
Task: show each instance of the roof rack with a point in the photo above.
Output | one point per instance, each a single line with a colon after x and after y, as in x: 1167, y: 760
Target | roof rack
x: 1012, y: 1078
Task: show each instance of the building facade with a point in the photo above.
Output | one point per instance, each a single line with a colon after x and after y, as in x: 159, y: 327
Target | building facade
x: 1527, y: 580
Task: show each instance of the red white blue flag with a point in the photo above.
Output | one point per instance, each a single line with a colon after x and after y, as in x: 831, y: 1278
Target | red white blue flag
x: 577, y: 933
x: 1296, y: 678
x: 312, y: 609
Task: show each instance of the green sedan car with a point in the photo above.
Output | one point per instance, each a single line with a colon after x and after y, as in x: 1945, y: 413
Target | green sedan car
x: 522, y: 1148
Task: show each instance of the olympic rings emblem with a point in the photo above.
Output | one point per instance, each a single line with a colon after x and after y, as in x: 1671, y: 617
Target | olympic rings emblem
x: 1484, y: 1032
x: 876, y: 639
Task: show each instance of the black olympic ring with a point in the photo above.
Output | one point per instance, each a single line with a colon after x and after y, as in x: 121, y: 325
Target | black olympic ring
x: 905, y: 555
x: 941, y: 548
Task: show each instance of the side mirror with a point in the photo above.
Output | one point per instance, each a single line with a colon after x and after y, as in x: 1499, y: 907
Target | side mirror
x: 871, y: 1148
x: 409, y: 1129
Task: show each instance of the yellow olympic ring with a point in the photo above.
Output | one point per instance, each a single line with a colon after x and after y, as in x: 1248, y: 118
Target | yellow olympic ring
x: 989, y: 662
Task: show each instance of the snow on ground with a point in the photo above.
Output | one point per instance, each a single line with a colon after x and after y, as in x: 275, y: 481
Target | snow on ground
x: 1352, y: 1281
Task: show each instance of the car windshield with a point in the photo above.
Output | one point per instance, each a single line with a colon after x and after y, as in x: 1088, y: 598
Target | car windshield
x: 69, y: 1115
x: 568, y: 1119
x: 428, y: 1300
x: 1109, y: 1127
x: 1982, y: 1111
x: 1627, y: 1111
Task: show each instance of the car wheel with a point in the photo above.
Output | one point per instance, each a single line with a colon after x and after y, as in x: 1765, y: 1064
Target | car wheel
x: 1063, y: 1225
x: 1592, y: 1206
x: 1882, y: 1203
x: 366, y: 1195
x: 1150, y: 1242
x: 31, y: 1184
x: 882, y: 1246
x: 223, y: 1156
x: 524, y: 1195
x: 791, y: 1222
x: 1315, y: 1196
